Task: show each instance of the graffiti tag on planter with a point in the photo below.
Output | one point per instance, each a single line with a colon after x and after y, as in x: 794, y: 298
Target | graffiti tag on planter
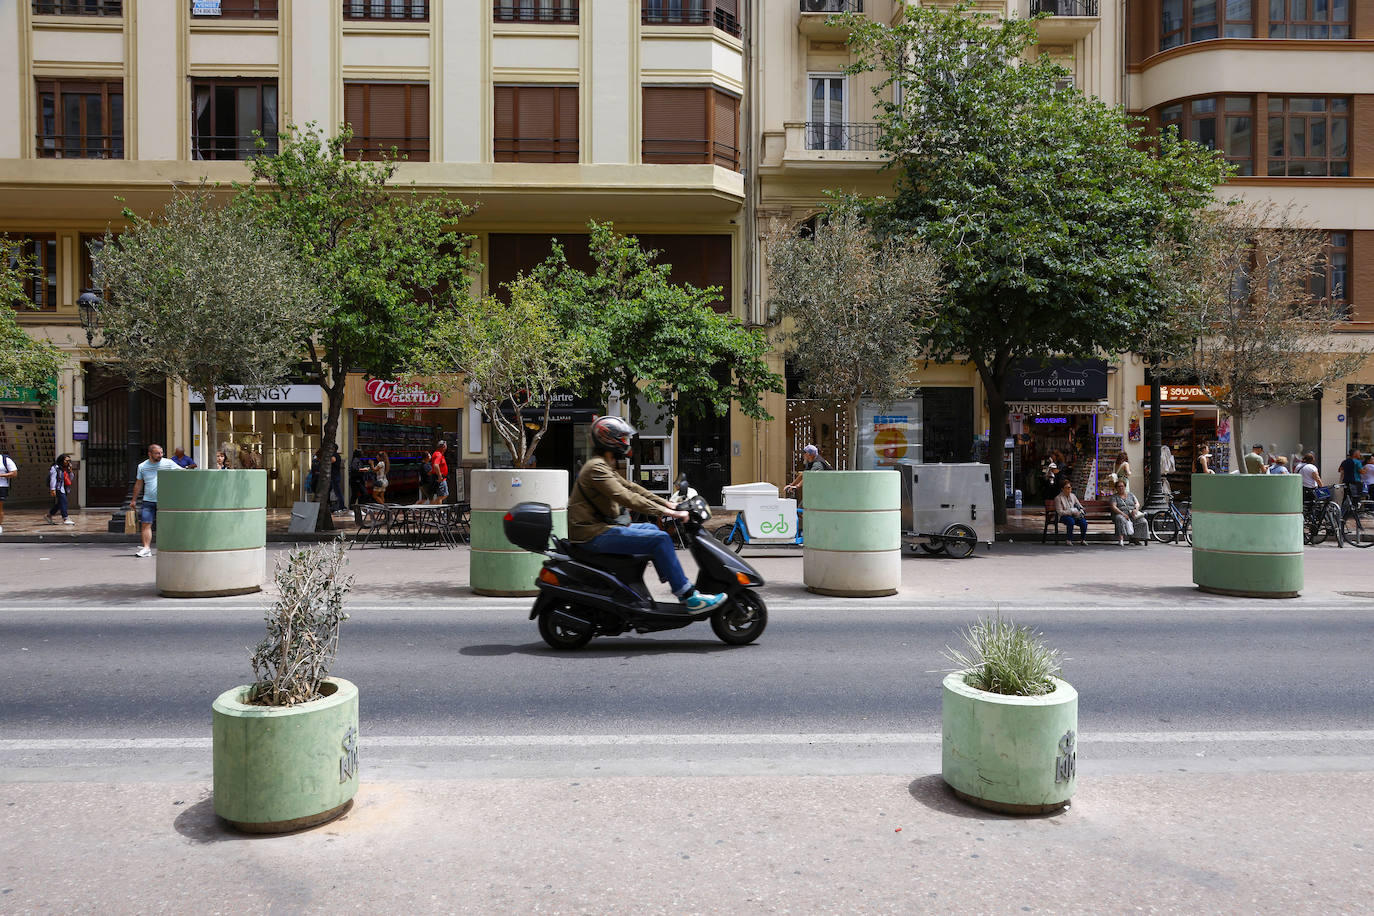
x: 348, y: 763
x: 1066, y: 764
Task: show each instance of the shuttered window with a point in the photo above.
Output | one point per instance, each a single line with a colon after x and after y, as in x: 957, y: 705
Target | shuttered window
x: 80, y: 119
x: 690, y: 125
x: 386, y: 116
x: 39, y: 254
x: 535, y: 124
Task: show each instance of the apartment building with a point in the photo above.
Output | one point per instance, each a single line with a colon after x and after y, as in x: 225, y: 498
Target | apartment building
x: 544, y: 113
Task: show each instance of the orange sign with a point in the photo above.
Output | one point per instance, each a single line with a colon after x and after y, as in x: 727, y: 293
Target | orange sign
x: 1174, y: 394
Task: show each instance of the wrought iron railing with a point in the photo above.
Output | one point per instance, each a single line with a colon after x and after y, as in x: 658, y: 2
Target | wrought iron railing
x: 78, y: 7
x: 84, y: 146
x: 833, y: 7
x: 661, y: 151
x: 387, y: 10
x: 230, y: 147
x: 535, y: 149
x: 1064, y: 7
x: 688, y: 12
x: 415, y: 149
x: 821, y: 136
x: 535, y: 10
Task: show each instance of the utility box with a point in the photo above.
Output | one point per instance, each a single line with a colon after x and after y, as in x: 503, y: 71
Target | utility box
x: 767, y: 518
x: 935, y: 496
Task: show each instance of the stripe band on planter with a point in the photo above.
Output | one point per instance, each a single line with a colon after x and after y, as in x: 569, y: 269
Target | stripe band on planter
x: 212, y: 533
x: 498, y: 567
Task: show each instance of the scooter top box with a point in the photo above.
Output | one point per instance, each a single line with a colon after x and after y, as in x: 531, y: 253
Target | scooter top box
x: 528, y: 525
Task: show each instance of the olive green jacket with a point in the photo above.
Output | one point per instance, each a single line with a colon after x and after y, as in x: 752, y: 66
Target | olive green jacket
x: 606, y: 493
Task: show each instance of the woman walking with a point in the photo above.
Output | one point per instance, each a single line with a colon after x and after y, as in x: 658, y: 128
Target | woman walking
x: 60, y: 485
x: 381, y: 469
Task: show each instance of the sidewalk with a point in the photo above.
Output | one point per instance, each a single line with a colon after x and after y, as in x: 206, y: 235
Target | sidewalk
x: 92, y: 526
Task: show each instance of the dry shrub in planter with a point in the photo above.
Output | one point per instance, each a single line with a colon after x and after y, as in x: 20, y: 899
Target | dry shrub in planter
x: 302, y: 626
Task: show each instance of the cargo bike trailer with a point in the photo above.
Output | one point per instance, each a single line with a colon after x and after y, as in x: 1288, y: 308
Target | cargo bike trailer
x: 946, y: 508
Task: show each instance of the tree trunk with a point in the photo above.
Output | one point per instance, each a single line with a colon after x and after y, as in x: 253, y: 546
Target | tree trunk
x: 997, y: 433
x: 851, y: 419
x: 1238, y: 439
x: 208, y: 449
x: 334, y: 394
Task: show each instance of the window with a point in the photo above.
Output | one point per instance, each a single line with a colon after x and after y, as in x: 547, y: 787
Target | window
x: 237, y: 9
x: 534, y: 10
x: 384, y: 115
x: 723, y: 14
x: 1309, y: 18
x: 78, y: 7
x: 1225, y: 123
x: 1333, y: 281
x: 826, y: 112
x: 40, y: 286
x: 1182, y: 22
x: 403, y: 10
x: 1309, y: 136
x: 90, y: 244
x: 535, y: 124
x: 689, y: 125
x: 80, y: 119
x: 226, y: 114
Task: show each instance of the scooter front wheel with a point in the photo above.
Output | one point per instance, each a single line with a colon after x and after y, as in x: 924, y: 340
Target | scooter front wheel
x: 740, y: 620
x: 560, y: 631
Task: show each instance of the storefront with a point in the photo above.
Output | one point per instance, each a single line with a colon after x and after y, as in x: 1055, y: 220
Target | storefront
x: 1359, y: 420
x: 1059, y: 411
x: 28, y: 434
x: 566, y: 445
x: 276, y: 428
x: 406, y: 421
x: 1188, y: 421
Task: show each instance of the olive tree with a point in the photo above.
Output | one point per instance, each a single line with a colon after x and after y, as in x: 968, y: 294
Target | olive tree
x: 206, y: 294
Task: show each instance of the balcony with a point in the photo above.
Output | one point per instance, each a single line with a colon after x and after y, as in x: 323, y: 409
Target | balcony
x: 386, y: 10
x: 816, y: 15
x: 558, y: 11
x: 722, y: 15
x: 815, y: 144
x: 78, y: 7
x: 1067, y: 19
x: 81, y: 146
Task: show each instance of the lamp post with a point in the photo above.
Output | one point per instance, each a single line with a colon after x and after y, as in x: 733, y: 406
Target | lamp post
x: 1158, y: 498
x: 88, y: 305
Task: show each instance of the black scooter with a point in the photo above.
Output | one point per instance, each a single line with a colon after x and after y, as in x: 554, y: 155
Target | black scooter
x: 584, y: 594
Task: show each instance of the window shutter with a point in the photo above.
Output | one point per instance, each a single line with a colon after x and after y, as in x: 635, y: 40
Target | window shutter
x: 566, y: 132
x: 726, y: 147
x: 675, y: 125
x: 417, y: 122
x: 503, y: 112
x: 534, y: 118
x: 355, y: 95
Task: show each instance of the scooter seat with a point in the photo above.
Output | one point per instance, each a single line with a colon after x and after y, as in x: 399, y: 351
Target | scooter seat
x: 612, y: 562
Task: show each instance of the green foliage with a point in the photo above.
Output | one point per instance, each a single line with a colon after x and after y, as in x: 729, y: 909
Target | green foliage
x: 302, y: 626
x: 513, y: 355
x: 1007, y: 659
x: 639, y: 332
x: 24, y: 361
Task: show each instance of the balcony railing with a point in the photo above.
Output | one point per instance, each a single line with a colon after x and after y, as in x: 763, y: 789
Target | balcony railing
x: 688, y: 12
x: 1065, y: 7
x: 234, y: 9
x: 823, y: 136
x: 535, y: 149
x: 689, y: 152
x: 414, y: 149
x: 833, y: 7
x: 535, y: 10
x: 387, y: 10
x: 78, y: 7
x: 230, y: 147
x: 87, y: 146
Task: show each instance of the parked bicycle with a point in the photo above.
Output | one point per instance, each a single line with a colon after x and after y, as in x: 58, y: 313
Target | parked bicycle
x: 1167, y: 525
x: 1321, y: 518
x: 1357, y: 519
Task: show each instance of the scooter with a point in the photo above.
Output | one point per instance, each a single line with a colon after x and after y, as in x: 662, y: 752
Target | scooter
x: 583, y: 594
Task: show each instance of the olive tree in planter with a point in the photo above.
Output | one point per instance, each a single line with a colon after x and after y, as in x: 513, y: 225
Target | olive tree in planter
x: 1010, y: 724
x: 286, y: 746
x: 205, y: 295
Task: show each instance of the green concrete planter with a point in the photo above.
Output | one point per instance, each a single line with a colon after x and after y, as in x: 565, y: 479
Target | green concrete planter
x: 1247, y: 534
x: 285, y: 768
x: 211, y: 533
x: 852, y: 529
x: 1017, y: 755
x: 498, y: 567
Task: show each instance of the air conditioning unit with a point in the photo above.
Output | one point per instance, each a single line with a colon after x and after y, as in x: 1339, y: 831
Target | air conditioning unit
x: 822, y: 6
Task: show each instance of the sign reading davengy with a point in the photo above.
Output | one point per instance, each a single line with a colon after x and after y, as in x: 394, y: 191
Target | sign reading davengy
x: 266, y: 394
x: 1058, y: 380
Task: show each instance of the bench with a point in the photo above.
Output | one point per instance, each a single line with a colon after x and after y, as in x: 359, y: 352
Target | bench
x: 1097, y: 510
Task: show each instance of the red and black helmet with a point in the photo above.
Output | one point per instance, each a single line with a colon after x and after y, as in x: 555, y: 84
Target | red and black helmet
x: 613, y: 435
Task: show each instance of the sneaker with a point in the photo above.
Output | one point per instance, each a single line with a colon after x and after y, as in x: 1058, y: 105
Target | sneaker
x: 697, y: 603
x: 67, y: 521
x: 143, y: 552
x: 50, y: 520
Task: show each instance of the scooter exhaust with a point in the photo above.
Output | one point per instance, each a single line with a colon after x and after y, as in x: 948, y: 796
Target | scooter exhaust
x: 564, y: 616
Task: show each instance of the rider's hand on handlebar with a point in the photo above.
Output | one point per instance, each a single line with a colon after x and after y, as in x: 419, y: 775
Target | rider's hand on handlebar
x: 676, y: 514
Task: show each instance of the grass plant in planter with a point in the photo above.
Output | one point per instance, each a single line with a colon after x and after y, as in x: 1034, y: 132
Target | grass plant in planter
x: 286, y: 746
x: 1010, y: 724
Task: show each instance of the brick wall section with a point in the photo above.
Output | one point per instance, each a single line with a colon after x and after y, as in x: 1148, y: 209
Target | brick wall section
x: 1362, y: 19
x: 1361, y: 278
x: 1362, y: 137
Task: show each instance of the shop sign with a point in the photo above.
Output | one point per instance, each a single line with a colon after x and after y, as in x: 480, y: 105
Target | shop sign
x: 1175, y: 394
x: 563, y: 408
x: 267, y: 394
x: 18, y: 394
x: 393, y: 394
x: 1058, y: 380
x: 1055, y: 408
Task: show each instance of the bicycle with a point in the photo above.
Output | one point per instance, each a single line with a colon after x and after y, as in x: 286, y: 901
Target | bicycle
x: 1167, y: 524
x: 1322, y: 518
x: 1357, y: 520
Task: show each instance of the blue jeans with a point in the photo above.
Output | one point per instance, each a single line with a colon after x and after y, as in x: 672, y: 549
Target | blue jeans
x: 1071, y: 520
x: 645, y: 540
x: 147, y: 512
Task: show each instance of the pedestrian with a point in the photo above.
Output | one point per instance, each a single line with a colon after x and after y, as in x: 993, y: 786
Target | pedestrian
x: 1367, y: 478
x: 183, y: 460
x: 8, y: 471
x: 381, y: 469
x: 439, y: 473
x: 811, y: 461
x: 1125, y: 514
x: 1280, y: 465
x: 1204, y: 460
x: 1071, y: 512
x: 1123, y: 469
x: 221, y: 461
x: 1352, y: 473
x: 1310, y: 478
x: 1254, y: 460
x: 60, y: 486
x: 357, y: 466
x: 336, y: 482
x: 145, y: 486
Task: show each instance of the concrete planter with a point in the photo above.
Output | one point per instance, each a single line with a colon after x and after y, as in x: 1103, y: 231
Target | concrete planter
x: 852, y: 533
x: 211, y: 533
x: 285, y: 768
x: 498, y: 566
x: 1247, y: 534
x: 1017, y: 755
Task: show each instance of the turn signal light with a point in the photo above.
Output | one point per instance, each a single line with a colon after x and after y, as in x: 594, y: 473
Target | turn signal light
x: 741, y: 578
x: 548, y: 577
x: 508, y: 517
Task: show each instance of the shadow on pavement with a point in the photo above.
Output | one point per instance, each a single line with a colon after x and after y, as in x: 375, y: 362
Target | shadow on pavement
x: 935, y: 794
x: 607, y: 647
x: 201, y: 825
x: 104, y: 593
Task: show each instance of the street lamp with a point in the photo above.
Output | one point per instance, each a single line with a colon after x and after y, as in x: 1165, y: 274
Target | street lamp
x: 88, y: 306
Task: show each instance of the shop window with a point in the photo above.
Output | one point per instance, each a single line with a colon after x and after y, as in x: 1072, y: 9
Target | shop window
x: 1224, y: 123
x: 690, y: 125
x: 80, y: 119
x: 227, y: 115
x: 534, y: 10
x: 535, y: 124
x: 1359, y: 401
x: 393, y: 10
x: 235, y: 9
x: 1185, y: 21
x: 386, y: 115
x: 1309, y: 136
x: 40, y: 284
x: 1309, y: 18
x: 78, y: 7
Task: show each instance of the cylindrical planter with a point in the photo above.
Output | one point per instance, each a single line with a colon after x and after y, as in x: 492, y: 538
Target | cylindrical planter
x: 280, y: 768
x: 1018, y: 755
x: 1247, y: 534
x: 211, y: 533
x: 852, y: 533
x: 499, y: 567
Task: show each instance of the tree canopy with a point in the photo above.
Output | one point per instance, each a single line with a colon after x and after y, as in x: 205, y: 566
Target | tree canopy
x: 25, y: 362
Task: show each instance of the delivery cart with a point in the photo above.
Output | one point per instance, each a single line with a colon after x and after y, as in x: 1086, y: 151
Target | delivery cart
x: 762, y: 518
x: 946, y: 508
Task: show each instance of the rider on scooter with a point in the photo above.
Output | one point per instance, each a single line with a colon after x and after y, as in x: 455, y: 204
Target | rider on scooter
x: 597, y: 499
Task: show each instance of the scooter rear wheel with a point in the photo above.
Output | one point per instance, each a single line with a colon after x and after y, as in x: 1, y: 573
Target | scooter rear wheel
x: 740, y: 620
x: 561, y: 633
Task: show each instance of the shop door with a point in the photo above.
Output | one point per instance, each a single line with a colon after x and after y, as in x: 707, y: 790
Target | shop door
x: 555, y: 450
x: 105, y: 457
x: 704, y: 456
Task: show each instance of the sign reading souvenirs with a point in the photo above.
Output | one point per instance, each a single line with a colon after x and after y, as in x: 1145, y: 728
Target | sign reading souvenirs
x: 1058, y: 380
x: 1175, y: 394
x: 394, y: 394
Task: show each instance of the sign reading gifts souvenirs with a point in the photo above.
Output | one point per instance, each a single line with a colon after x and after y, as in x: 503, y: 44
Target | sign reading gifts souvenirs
x: 1058, y: 380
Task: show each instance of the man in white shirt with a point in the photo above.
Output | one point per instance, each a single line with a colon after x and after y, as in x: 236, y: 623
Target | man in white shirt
x: 146, y: 486
x: 8, y: 471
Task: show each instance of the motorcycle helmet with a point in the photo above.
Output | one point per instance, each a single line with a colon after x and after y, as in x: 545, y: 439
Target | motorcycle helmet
x: 613, y: 435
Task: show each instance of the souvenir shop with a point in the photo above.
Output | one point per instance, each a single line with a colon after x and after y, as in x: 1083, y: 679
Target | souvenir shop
x: 1188, y: 421
x: 1058, y: 413
x: 405, y: 421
